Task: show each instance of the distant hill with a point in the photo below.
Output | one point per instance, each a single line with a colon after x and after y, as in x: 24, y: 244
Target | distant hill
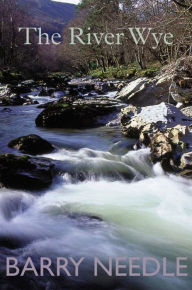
x: 51, y: 16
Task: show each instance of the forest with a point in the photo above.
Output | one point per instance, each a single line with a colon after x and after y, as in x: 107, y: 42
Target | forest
x: 95, y: 16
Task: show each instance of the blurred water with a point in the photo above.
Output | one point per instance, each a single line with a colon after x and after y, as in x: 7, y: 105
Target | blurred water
x: 125, y: 208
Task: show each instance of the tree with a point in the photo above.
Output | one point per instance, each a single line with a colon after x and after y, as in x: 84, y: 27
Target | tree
x: 13, y: 52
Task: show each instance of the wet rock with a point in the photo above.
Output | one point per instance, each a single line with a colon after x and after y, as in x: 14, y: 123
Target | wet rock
x: 168, y: 146
x: 29, y: 101
x: 43, y: 106
x: 186, y: 173
x: 130, y: 111
x: 87, y: 85
x: 186, y: 165
x: 186, y: 161
x: 31, y: 144
x: 16, y: 100
x: 126, y: 114
x: 83, y: 85
x: 164, y: 128
x: 4, y: 91
x: 131, y: 89
x: 21, y: 88
x: 115, y: 122
x: 78, y: 114
x: 160, y: 147
x: 144, y: 92
x: 104, y: 87
x: 24, y: 172
x: 42, y: 93
x: 187, y: 111
x: 158, y: 117
x: 120, y: 85
x: 12, y: 100
x: 64, y: 100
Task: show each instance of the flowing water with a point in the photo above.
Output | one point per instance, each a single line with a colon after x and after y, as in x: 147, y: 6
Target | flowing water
x: 124, y: 207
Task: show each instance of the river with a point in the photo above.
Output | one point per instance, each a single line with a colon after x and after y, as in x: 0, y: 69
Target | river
x: 126, y: 207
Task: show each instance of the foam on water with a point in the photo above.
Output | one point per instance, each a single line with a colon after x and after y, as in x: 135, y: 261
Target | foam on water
x: 141, y: 211
x: 151, y: 217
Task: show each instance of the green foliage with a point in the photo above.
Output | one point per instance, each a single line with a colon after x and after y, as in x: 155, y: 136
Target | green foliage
x: 149, y: 72
x: 79, y: 74
x: 62, y: 105
x: 113, y: 72
x: 17, y: 75
x: 124, y: 72
x: 58, y: 75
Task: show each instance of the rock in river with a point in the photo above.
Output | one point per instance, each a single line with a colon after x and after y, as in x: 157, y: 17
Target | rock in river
x: 79, y: 114
x: 186, y: 165
x: 31, y: 144
x: 143, y: 92
x: 25, y: 172
x: 151, y: 119
x: 187, y: 111
x: 16, y: 100
x: 164, y: 128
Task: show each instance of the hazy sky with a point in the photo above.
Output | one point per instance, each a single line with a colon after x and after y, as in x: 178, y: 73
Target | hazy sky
x: 68, y: 1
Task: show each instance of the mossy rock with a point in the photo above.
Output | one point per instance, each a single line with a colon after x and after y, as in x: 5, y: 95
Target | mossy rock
x: 76, y: 115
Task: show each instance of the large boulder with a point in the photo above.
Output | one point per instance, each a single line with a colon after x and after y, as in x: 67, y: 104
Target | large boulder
x: 31, y: 144
x: 144, y: 92
x: 164, y: 128
x: 78, y: 114
x: 152, y: 118
x: 24, y: 172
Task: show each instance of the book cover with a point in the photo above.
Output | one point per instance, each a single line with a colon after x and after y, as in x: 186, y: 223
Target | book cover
x: 95, y: 145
